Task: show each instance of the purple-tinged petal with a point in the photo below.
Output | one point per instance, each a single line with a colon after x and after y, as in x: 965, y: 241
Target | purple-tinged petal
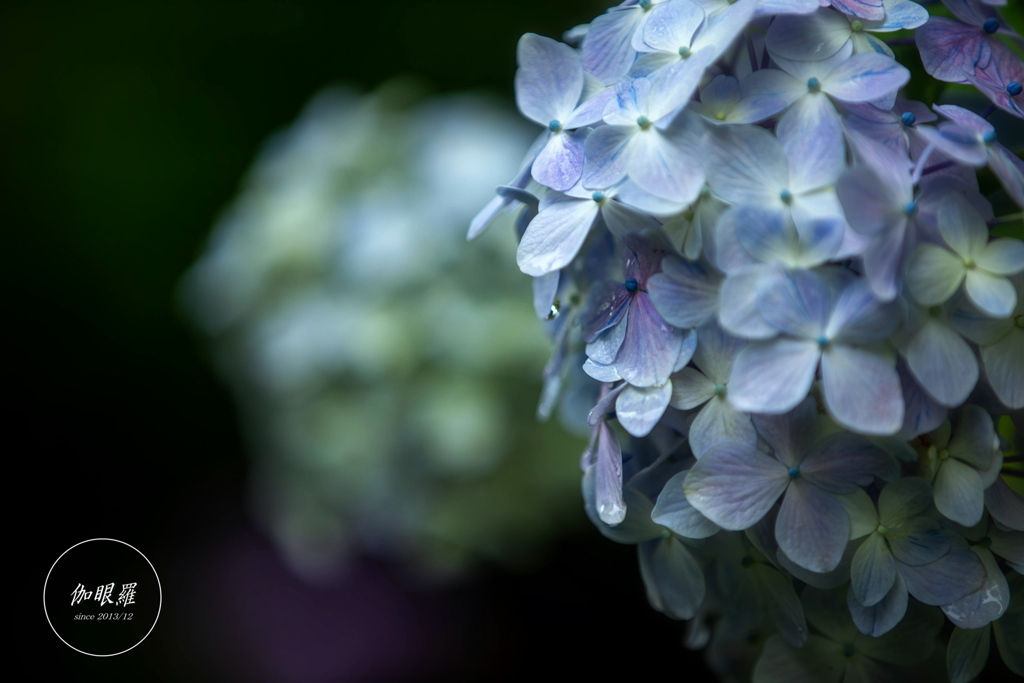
x: 666, y: 164
x: 808, y: 38
x: 957, y: 141
x: 716, y: 352
x: 993, y: 294
x: 873, y: 571
x: 684, y: 293
x: 549, y: 80
x: 773, y: 376
x: 942, y: 362
x: 591, y: 111
x: 717, y: 422
x: 923, y: 542
x: 608, y: 477
x: 986, y: 604
x: 1010, y: 171
x: 601, y: 372
x: 797, y: 304
x: 604, y: 406
x: 900, y: 15
x: 842, y: 462
x: 812, y: 527
x: 1005, y: 67
x: 885, y: 258
x: 638, y: 409
x: 949, y: 49
x: 865, y: 9
x: 674, y: 511
x: 867, y: 200
x: 1004, y: 368
x: 651, y: 347
x: 866, y: 78
x: 862, y: 390
x: 789, y: 434
x: 610, y: 304
x: 607, y: 152
x: 765, y: 93
x: 859, y: 318
x: 902, y: 500
x: 622, y: 220
x: 734, y: 485
x: 555, y: 236
x: 560, y: 163
x: 722, y: 28
x: 884, y: 615
x: 923, y: 414
x: 605, y: 348
x: 947, y: 579
x: 607, y: 49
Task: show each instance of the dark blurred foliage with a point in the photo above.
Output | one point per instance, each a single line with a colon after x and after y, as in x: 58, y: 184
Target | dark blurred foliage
x: 126, y: 128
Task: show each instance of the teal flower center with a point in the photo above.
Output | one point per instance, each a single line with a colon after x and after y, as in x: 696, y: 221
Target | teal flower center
x: 719, y: 389
x: 794, y: 473
x: 786, y: 196
x: 555, y: 126
x: 598, y: 196
x: 643, y: 122
x: 813, y: 84
x: 684, y: 52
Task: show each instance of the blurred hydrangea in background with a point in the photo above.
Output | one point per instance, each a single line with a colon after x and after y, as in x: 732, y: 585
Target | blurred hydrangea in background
x: 385, y: 377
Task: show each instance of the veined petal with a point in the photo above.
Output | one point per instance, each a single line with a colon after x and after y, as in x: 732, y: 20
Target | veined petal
x: 958, y: 493
x: 1005, y: 505
x: 944, y: 364
x: 899, y: 15
x: 994, y: 294
x: 862, y: 390
x: 934, y: 274
x: 717, y: 422
x: 555, y: 235
x: 773, y: 376
x: 873, y: 571
x: 858, y: 317
x: 608, y: 477
x: 664, y: 164
x: 865, y: 9
x: 674, y: 511
x: 883, y: 615
x: 675, y: 83
x: 811, y: 134
x: 638, y: 409
x: 684, y: 293
x: 560, y: 163
x: 610, y: 299
x: 902, y: 500
x: 747, y: 165
x: 866, y: 77
x: 607, y: 156
x: 950, y: 49
x: 918, y: 541
x: 961, y: 226
x: 1003, y: 256
x: 672, y: 25
x: 1004, y: 367
x: 947, y: 579
x: 607, y: 49
x: 651, y: 347
x: 809, y: 37
x: 734, y: 485
x: 690, y: 389
x: 974, y: 438
x: 842, y: 462
x: 722, y: 28
x: 812, y: 527
x: 549, y: 80
x: 797, y: 304
x: 986, y: 604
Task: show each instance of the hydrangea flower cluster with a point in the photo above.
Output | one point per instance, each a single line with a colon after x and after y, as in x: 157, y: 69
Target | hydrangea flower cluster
x: 803, y: 343
x: 358, y: 343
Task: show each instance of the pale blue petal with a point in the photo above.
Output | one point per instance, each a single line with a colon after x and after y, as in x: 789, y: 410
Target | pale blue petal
x: 993, y: 294
x: 549, y: 80
x: 858, y: 317
x: 773, y: 376
x: 811, y: 134
x: 605, y: 347
x: 765, y: 93
x: 1004, y: 256
x: 738, y: 313
x: 611, y: 509
x: 810, y: 37
x: 717, y: 422
x: 722, y: 28
x: 607, y: 49
x: 591, y: 111
x: 812, y: 527
x: 961, y: 226
x: 675, y: 84
x: 862, y: 390
x: 622, y: 220
x: 607, y: 156
x: 959, y: 494
x: 555, y: 236
x: 901, y: 14
x: 865, y: 198
x: 545, y: 289
x: 866, y: 77
x: 734, y: 485
x: 610, y: 299
x: 766, y: 233
x: 716, y: 352
x: 602, y: 373
x: 882, y: 616
x: 649, y: 352
x: 674, y: 511
x: 842, y: 462
x: 942, y: 362
x: 665, y: 164
x: 1005, y: 505
x: 747, y: 165
x: 934, y: 274
x: 560, y: 163
x: 672, y: 25
x: 797, y: 304
x: 986, y: 604
x: 639, y: 409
